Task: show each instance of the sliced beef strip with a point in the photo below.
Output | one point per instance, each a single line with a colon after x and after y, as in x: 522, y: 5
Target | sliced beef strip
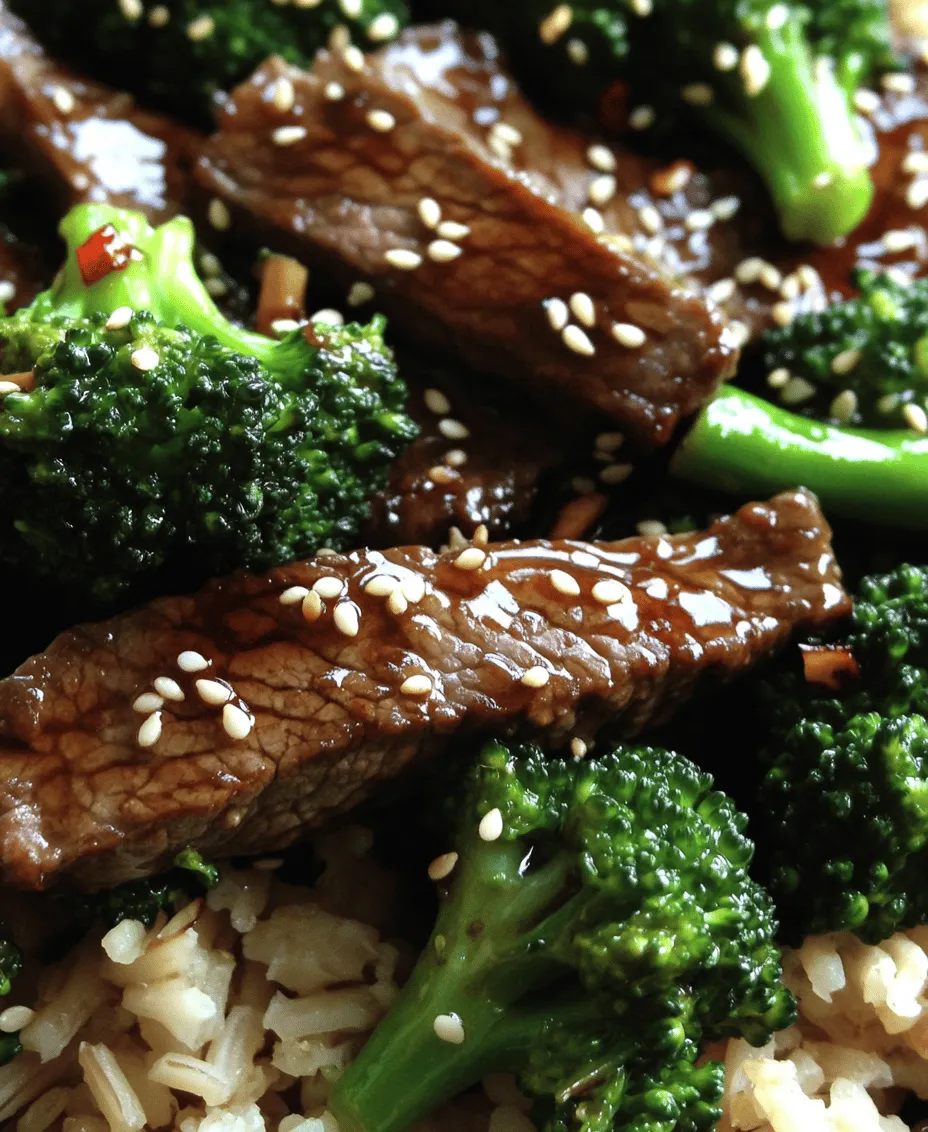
x: 340, y: 181
x: 505, y: 645
x: 86, y: 140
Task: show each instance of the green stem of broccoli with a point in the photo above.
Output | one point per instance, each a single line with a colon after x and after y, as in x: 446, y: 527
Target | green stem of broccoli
x: 741, y: 443
x: 801, y: 135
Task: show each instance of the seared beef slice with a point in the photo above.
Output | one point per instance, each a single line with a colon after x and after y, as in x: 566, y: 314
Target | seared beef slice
x: 338, y: 687
x: 367, y: 166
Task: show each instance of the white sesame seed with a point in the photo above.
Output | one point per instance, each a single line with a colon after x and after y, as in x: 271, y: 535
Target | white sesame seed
x: 15, y: 1018
x: 577, y: 340
x: 777, y: 16
x: 577, y: 52
x: 334, y: 92
x: 455, y: 457
x: 449, y: 1028
x: 7, y: 290
x: 346, y: 619
x: 770, y: 277
x: 565, y: 583
x: 578, y: 748
x: 535, y: 677
x: 453, y: 430
x: 725, y: 57
x: 582, y: 308
x: 916, y: 418
x: 147, y: 702
x: 236, y: 723
x: 782, y: 313
x: 898, y: 83
x: 416, y: 686
x: 443, y: 251
x: 610, y: 441
x: 282, y: 326
x: 725, y: 207
x: 120, y: 318
x: 328, y: 587
x: 916, y: 195
x: 721, y: 291
x: 443, y: 866
x: 381, y: 585
x: 213, y: 692
x: 796, y: 391
x: 650, y: 219
x: 131, y: 9
x: 436, y: 402
x: 385, y: 26
x: 555, y: 24
x: 738, y: 332
x: 614, y: 474
x: 609, y: 591
x: 353, y: 58
x: 441, y: 474
x: 748, y: 270
x: 403, y: 259
x: 471, y: 559
x: 397, y: 603
x: 699, y: 219
x: 351, y: 8
x: 651, y: 528
x: 328, y: 315
x: 145, y: 358
x: 601, y: 158
x: 557, y: 312
x: 201, y: 28
x: 452, y: 230
x: 491, y: 826
x: 593, y: 220
x: 63, y: 99
x: 901, y: 239
x: 359, y: 294
x: 159, y: 16
x: 191, y: 661
x: 627, y: 334
x: 601, y: 189
x: 381, y: 120
x: 507, y: 133
x: 642, y: 8
x: 429, y: 212
x: 168, y: 688
x: 845, y: 361
x: 311, y: 607
x: 916, y: 161
x: 697, y: 94
x: 642, y: 117
x: 288, y: 135
x: 755, y: 70
x: 866, y: 101
x: 150, y: 731
x: 888, y: 403
x: 218, y: 215
x: 413, y: 587
x: 8, y: 387
x: 844, y: 406
x: 777, y: 378
x: 283, y: 95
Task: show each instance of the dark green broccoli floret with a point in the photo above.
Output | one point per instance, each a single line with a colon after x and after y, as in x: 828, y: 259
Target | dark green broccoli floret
x: 845, y: 799
x: 590, y: 948
x: 178, y: 54
x: 774, y: 78
x: 168, y: 436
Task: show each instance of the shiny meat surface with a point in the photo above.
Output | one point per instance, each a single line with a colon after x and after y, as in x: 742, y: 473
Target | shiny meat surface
x: 392, y: 655
x: 497, y: 267
x: 88, y: 141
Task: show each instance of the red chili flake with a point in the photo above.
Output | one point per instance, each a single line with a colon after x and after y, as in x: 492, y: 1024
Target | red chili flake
x: 830, y: 665
x: 103, y: 253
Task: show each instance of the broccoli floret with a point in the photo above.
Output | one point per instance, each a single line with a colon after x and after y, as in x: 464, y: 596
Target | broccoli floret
x: 845, y: 798
x: 598, y: 925
x: 179, y: 54
x: 776, y: 79
x: 158, y: 434
x: 11, y: 963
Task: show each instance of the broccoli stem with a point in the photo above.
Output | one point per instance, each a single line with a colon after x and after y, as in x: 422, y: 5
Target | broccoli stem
x: 741, y: 443
x: 800, y: 133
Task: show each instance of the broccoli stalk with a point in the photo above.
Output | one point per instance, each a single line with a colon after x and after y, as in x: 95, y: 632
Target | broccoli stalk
x: 590, y: 947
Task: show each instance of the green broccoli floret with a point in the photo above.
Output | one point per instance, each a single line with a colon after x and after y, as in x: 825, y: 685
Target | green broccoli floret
x: 598, y: 925
x: 178, y: 54
x: 159, y: 434
x: 11, y: 963
x: 845, y: 799
x: 775, y: 78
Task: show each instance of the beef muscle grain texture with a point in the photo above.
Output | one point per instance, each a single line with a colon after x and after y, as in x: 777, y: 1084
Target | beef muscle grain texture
x: 486, y: 269
x: 391, y: 655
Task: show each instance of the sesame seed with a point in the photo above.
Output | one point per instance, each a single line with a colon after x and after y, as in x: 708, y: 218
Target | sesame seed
x: 577, y: 340
x: 452, y: 230
x: 721, y: 291
x: 443, y: 251
x: 131, y: 9
x: 218, y: 215
x: 888, y: 403
x: 609, y: 591
x: 650, y: 528
x: 491, y: 826
x: 328, y: 315
x: 63, y: 99
x: 328, y: 587
x: 725, y: 207
x: 916, y: 195
x: 748, y: 270
x: 844, y: 406
x: 915, y: 161
x: 441, y: 474
x: 353, y: 58
x: 627, y: 334
x: 120, y: 318
x: 901, y: 239
x: 755, y: 70
x: 699, y: 219
x: 359, y: 294
x: 385, y: 26
x: 449, y: 1028
x: 429, y: 212
x: 436, y: 402
x: 381, y: 585
x: 8, y: 387
x: 397, y: 603
x: 916, y: 418
x: 535, y: 677
x: 777, y: 16
x: 284, y: 95
x: 642, y: 117
x: 697, y: 94
x: 738, y: 332
x: 381, y: 120
x: 898, y: 83
x: 725, y: 57
x: 191, y: 661
x: 642, y: 8
x: 15, y: 1018
x: 150, y: 731
x: 145, y: 358
x: 7, y: 290
x: 593, y: 220
x: 312, y: 607
x: 555, y: 24
x: 777, y: 378
x: 577, y: 52
x: 866, y: 101
x: 453, y: 430
x: 614, y: 474
x: 351, y: 8
x: 845, y: 361
x: 288, y: 135
x: 159, y: 16
x: 403, y: 258
x: 565, y: 583
x: 413, y: 587
x: 236, y: 723
x: 796, y: 391
x: 557, y: 312
x: 334, y: 92
x: 168, y: 688
x: 443, y: 866
x: 471, y: 559
x: 147, y: 702
x: 578, y: 748
x: 347, y: 619
x: 782, y: 313
x: 455, y: 457
x: 507, y: 133
x: 601, y: 158
x: 416, y: 686
x: 770, y: 276
x: 201, y: 28
x: 581, y: 306
x: 601, y: 189
x: 650, y: 219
